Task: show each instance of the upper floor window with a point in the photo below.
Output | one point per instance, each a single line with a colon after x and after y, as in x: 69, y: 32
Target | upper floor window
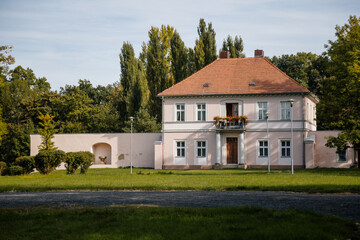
x: 180, y: 112
x: 201, y: 111
x: 262, y: 110
x: 232, y: 109
x: 201, y: 148
x: 285, y: 110
x: 263, y: 148
x: 285, y: 148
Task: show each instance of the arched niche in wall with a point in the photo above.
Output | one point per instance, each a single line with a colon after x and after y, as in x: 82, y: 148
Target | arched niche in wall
x: 102, y: 152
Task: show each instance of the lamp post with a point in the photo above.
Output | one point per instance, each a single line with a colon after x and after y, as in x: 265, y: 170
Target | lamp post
x: 131, y: 120
x: 268, y: 140
x: 291, y: 101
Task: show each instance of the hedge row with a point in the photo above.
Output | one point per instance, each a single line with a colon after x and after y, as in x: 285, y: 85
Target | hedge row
x: 47, y: 161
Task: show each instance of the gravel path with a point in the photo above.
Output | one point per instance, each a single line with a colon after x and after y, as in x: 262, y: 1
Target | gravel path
x: 343, y: 205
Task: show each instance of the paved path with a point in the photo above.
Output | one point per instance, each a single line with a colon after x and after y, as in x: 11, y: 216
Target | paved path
x: 344, y: 205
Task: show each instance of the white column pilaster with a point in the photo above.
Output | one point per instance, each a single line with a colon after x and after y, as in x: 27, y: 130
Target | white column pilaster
x: 218, y: 148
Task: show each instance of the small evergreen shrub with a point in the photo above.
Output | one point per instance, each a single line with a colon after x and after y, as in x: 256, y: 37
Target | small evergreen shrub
x: 27, y: 163
x: 2, y: 167
x: 14, y: 170
x: 72, y: 162
x: 47, y: 161
x: 87, y: 160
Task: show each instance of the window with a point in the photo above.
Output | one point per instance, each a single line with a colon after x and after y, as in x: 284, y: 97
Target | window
x: 201, y: 149
x: 285, y: 109
x: 263, y: 148
x: 285, y: 148
x: 180, y: 148
x: 262, y: 110
x: 232, y: 109
x: 341, y: 156
x: 180, y: 112
x: 201, y: 111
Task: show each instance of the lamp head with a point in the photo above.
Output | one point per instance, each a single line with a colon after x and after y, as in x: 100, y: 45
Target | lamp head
x: 131, y: 119
x: 291, y: 101
x: 267, y: 115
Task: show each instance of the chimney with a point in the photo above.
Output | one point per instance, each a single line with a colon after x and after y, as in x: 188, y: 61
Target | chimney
x: 259, y: 53
x: 224, y: 54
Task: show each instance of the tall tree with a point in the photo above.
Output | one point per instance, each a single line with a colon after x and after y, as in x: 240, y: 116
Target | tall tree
x: 179, y: 58
x: 157, y: 60
x: 205, y: 44
x: 340, y: 106
x: 234, y: 47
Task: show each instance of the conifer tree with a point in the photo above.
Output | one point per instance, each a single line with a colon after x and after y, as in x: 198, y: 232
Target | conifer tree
x: 47, y: 132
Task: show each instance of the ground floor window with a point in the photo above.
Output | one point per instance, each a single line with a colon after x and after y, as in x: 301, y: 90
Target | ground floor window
x: 201, y: 148
x: 180, y: 148
x: 263, y: 148
x: 285, y: 148
x: 341, y: 156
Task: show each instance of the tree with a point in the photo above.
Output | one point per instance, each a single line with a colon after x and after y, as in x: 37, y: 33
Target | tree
x: 47, y: 132
x: 179, y: 58
x: 5, y: 60
x: 143, y: 122
x: 157, y: 61
x: 234, y: 47
x: 340, y: 105
x: 206, y: 42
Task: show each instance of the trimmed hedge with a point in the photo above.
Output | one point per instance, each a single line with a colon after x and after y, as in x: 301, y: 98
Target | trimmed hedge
x: 47, y: 161
x: 74, y: 160
x: 27, y: 163
x: 13, y: 170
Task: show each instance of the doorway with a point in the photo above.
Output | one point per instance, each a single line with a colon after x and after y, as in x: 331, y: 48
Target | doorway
x: 232, y: 150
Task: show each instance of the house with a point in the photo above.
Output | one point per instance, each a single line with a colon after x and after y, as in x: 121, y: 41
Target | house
x: 242, y: 112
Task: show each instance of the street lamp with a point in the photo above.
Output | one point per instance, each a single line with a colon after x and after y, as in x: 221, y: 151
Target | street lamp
x: 131, y: 120
x: 268, y: 140
x: 291, y: 101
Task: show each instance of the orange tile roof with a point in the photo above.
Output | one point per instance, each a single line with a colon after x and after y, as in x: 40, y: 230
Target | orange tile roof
x: 233, y: 76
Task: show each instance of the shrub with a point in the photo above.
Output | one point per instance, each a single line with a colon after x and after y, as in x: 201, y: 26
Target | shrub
x: 47, y: 161
x: 72, y: 162
x: 13, y: 170
x: 2, y: 167
x: 27, y: 163
x: 87, y: 160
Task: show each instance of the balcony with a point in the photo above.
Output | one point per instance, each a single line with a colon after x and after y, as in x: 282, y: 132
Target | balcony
x: 236, y: 123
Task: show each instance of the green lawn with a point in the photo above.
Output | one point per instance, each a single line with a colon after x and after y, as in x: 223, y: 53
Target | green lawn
x: 171, y: 223
x: 304, y: 180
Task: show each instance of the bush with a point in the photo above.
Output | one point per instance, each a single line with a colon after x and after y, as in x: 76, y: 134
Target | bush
x: 47, y: 161
x: 2, y: 167
x: 87, y: 160
x: 72, y: 162
x: 13, y: 170
x: 27, y: 163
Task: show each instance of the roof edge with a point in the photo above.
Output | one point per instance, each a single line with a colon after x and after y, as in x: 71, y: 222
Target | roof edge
x: 246, y: 94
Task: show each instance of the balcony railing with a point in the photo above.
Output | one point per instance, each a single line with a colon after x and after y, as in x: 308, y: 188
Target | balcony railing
x: 229, y: 123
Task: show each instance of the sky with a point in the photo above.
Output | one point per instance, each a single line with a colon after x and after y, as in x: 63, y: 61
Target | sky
x: 68, y: 40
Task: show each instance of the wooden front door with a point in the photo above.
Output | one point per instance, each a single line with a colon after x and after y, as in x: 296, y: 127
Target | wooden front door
x: 232, y: 150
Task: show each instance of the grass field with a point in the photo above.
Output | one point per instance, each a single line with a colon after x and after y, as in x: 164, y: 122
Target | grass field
x: 171, y: 223
x: 304, y: 180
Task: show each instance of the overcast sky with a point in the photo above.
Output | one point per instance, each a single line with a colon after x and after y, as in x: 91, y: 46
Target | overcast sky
x: 68, y: 40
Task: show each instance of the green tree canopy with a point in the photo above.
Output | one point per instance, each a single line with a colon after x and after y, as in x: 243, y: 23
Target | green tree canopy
x: 340, y: 106
x: 234, y: 47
